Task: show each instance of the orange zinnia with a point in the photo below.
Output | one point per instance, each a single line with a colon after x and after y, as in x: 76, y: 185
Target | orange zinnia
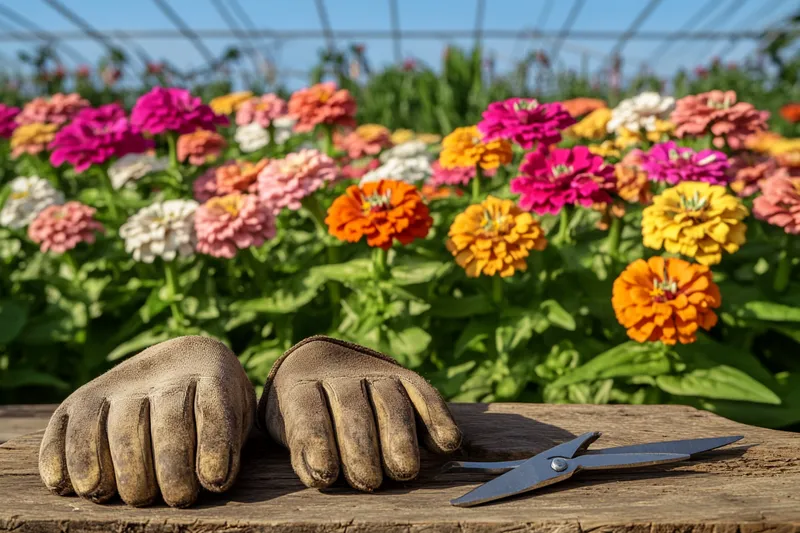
x: 382, y: 211
x: 494, y: 237
x: 577, y: 107
x: 791, y: 112
x: 239, y: 176
x: 465, y: 148
x: 665, y: 299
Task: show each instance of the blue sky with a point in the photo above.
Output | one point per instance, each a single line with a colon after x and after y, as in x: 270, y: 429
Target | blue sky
x: 300, y: 55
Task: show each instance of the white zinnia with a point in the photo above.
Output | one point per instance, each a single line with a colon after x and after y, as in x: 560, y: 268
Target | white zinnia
x: 410, y: 170
x: 29, y: 197
x: 640, y: 112
x: 163, y: 229
x: 131, y: 167
x: 406, y: 150
x: 253, y: 137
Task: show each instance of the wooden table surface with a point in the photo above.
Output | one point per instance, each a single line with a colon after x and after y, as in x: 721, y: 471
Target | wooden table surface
x: 752, y: 486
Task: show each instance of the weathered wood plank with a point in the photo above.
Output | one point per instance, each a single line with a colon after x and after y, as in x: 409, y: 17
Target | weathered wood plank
x: 16, y: 420
x: 751, y: 487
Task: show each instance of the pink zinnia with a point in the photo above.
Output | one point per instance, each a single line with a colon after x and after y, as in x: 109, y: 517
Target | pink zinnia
x: 525, y: 121
x: 58, y: 109
x: 747, y: 170
x: 7, y: 122
x: 261, y: 109
x: 205, y: 186
x: 454, y: 176
x: 718, y: 113
x: 365, y: 140
x: 572, y: 176
x: 94, y: 137
x: 60, y: 228
x: 779, y: 204
x: 173, y: 109
x: 353, y: 170
x: 285, y: 182
x: 227, y: 224
x: 673, y: 164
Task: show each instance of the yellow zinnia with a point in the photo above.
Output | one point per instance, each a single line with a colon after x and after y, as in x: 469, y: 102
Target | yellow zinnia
x: 494, y: 237
x: 32, y: 138
x: 593, y: 125
x: 465, y: 148
x: 697, y: 220
x: 403, y: 135
x: 663, y: 130
x: 229, y: 103
x: 605, y: 149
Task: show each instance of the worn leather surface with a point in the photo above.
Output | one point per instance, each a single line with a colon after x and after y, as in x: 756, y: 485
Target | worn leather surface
x: 339, y: 406
x: 168, y: 421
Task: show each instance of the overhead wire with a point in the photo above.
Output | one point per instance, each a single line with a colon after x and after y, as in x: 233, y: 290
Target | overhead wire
x: 577, y: 6
x: 41, y: 33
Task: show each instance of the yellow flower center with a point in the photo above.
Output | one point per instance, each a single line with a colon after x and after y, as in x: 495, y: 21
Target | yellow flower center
x: 694, y: 205
x: 231, y: 204
x: 324, y: 97
x: 725, y: 104
x: 664, y: 290
x: 377, y: 202
x: 19, y: 195
x: 524, y: 105
x: 495, y: 223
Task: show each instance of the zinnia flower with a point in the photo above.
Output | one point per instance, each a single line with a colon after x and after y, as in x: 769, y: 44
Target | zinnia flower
x: 354, y: 170
x: 7, y: 122
x: 575, y: 176
x: 779, y: 204
x: 380, y: 211
x: 322, y: 103
x: 791, y: 112
x: 406, y: 150
x: 673, y: 164
x: 432, y: 192
x: 62, y: 227
x: 31, y: 138
x: 132, y: 167
x: 238, y: 176
x: 665, y: 300
x: 29, y: 197
x: 229, y: 103
x: 592, y: 126
x: 285, y: 182
x: 494, y: 237
x: 173, y: 109
x: 632, y: 182
x: 162, y: 229
x: 261, y: 110
x: 747, y: 170
x: 605, y: 149
x: 525, y: 122
x: 661, y: 131
x: 227, y: 224
x: 402, y: 135
x: 640, y: 112
x: 200, y: 147
x: 697, y: 220
x: 365, y: 140
x: 465, y: 147
x: 57, y: 109
x: 577, y: 107
x: 718, y: 113
x: 409, y: 170
x: 454, y: 176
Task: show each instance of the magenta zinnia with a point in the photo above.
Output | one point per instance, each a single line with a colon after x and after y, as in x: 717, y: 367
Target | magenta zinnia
x: 574, y: 176
x: 173, y: 109
x: 60, y: 228
x: 525, y: 121
x: 674, y: 164
x: 227, y: 224
x: 7, y: 123
x: 285, y: 182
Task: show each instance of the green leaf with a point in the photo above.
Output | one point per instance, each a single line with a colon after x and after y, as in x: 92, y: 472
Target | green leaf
x: 721, y: 382
x: 557, y: 315
x: 769, y: 311
x: 413, y: 270
x: 351, y: 271
x: 449, y: 307
x: 290, y: 296
x: 627, y: 359
x: 26, y: 377
x: 13, y: 316
x: 141, y: 341
x: 408, y: 345
x: 49, y: 328
x: 153, y: 305
x: 473, y: 337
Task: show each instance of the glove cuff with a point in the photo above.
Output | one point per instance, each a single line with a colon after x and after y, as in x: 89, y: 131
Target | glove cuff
x: 262, y: 402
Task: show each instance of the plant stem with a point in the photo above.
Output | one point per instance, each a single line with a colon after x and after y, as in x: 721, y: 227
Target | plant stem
x: 476, y: 185
x: 614, y: 235
x: 173, y: 151
x: 563, y: 225
x: 257, y: 267
x: 497, y: 289
x: 379, y: 261
x: 784, y: 269
x: 271, y: 143
x: 70, y: 261
x: 171, y: 278
x: 314, y: 208
x: 108, y: 193
x: 327, y: 140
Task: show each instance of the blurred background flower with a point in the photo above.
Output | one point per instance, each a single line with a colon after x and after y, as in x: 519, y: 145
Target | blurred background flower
x: 60, y: 228
x: 161, y: 229
x: 227, y: 224
x: 28, y: 197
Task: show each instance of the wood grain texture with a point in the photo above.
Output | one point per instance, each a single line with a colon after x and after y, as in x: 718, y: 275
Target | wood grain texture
x: 16, y: 420
x: 750, y: 487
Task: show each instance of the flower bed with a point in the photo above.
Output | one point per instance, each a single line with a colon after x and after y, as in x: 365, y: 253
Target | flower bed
x: 559, y: 252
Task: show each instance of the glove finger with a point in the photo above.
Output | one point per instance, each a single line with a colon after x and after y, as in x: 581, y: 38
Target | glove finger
x: 131, y: 450
x: 441, y: 432
x: 89, y: 463
x: 309, y: 435
x: 354, y: 424
x: 219, y: 418
x: 396, y: 428
x: 172, y: 429
x: 53, y: 455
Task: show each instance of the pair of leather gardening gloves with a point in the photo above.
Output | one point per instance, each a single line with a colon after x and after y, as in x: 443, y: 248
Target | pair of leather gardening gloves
x: 175, y: 418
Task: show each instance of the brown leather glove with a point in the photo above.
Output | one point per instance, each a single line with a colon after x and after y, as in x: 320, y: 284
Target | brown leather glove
x: 327, y: 400
x: 171, y: 419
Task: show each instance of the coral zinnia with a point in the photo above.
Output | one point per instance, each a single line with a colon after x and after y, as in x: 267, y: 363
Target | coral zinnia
x: 455, y: 175
x: 718, y: 113
x: 577, y: 107
x: 791, y: 112
x: 261, y: 110
x: 574, y: 176
x: 31, y: 138
x: 200, y: 147
x: 525, y: 122
x: 494, y: 237
x: 365, y: 140
x: 779, y: 204
x: 238, y: 176
x: 665, y: 300
x: 380, y: 211
x: 226, y: 224
x: 7, y: 122
x: 632, y: 183
x: 747, y: 170
x: 465, y: 147
x: 697, y: 220
x: 57, y: 109
x: 62, y: 227
x: 285, y: 182
x: 673, y: 164
x: 228, y: 103
x: 173, y: 109
x: 322, y: 103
